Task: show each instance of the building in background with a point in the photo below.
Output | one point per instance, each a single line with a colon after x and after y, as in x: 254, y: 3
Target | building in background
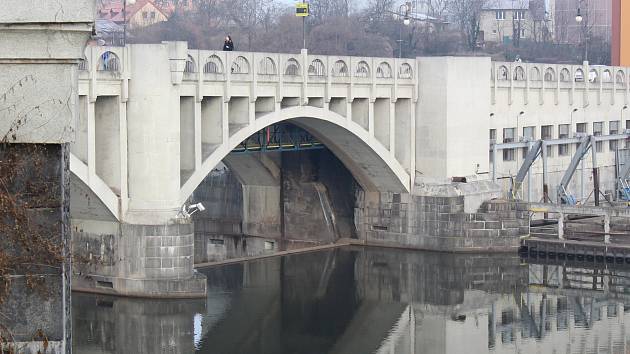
x: 509, y: 21
x: 621, y: 33
x: 142, y: 13
x: 597, y: 20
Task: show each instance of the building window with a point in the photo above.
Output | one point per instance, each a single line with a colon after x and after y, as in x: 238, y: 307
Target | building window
x: 493, y: 140
x: 546, y: 133
x: 153, y: 15
x: 499, y: 15
x: 508, y: 137
x: 145, y: 15
x: 598, y: 130
x: 522, y: 33
x: 581, y: 128
x: 563, y: 133
x: 613, y: 129
x: 519, y: 15
x: 529, y: 133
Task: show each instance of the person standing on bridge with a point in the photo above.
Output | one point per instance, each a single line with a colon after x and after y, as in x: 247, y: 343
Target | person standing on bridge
x: 228, y: 45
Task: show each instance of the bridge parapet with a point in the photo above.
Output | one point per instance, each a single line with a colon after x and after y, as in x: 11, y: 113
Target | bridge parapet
x: 558, y: 78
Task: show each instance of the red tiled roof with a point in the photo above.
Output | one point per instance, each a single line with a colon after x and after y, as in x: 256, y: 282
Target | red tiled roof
x: 113, y: 9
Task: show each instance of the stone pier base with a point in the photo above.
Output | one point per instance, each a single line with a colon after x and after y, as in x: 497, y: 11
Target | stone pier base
x: 136, y: 260
x: 456, y: 217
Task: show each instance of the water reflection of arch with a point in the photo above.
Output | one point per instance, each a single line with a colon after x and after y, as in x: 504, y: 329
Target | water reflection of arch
x: 279, y: 300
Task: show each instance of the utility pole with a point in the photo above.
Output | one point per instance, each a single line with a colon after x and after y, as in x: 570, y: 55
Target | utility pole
x: 302, y: 10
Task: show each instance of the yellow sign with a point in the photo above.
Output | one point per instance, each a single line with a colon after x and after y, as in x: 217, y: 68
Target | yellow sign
x: 301, y: 9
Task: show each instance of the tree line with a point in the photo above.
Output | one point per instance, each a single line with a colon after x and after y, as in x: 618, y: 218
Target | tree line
x: 341, y: 27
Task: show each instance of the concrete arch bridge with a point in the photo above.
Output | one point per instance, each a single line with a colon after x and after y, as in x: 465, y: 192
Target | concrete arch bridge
x: 156, y: 119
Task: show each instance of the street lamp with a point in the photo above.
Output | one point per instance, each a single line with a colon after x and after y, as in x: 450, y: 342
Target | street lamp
x: 518, y: 138
x: 583, y: 33
x: 571, y: 123
x: 578, y: 17
x: 403, y: 11
x: 131, y: 2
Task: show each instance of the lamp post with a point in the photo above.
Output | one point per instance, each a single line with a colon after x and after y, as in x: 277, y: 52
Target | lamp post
x: 403, y: 12
x: 518, y: 139
x: 583, y: 33
x: 571, y: 122
x: 131, y: 2
x: 625, y: 106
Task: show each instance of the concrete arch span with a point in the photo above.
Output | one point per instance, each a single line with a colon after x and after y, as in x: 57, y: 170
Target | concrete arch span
x: 373, y: 166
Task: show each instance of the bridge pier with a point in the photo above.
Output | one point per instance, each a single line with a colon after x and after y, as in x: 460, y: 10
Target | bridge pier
x: 136, y: 260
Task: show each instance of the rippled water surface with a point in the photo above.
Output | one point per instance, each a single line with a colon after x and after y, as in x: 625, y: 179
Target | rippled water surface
x: 373, y: 301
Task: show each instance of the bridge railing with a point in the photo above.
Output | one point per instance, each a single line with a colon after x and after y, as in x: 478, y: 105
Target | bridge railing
x: 539, y: 75
x: 105, y: 63
x: 272, y: 67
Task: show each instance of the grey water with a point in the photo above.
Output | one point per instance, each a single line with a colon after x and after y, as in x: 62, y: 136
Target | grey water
x: 369, y: 300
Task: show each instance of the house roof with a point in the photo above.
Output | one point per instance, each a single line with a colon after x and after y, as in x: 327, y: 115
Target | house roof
x: 507, y: 5
x: 113, y: 9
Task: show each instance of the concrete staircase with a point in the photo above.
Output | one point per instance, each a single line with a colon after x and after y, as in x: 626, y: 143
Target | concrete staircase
x: 496, y: 218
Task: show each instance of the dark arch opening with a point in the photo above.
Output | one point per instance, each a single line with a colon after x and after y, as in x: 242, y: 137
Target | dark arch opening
x: 280, y: 189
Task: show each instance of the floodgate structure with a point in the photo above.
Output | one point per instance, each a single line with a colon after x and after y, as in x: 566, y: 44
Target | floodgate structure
x: 291, y: 150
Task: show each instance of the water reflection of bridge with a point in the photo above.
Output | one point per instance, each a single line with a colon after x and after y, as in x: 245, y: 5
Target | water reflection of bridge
x: 372, y: 301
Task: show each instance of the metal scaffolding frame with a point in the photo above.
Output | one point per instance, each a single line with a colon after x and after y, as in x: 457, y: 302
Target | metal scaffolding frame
x: 538, y: 148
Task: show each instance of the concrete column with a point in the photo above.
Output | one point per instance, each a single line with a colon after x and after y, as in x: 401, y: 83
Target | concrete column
x: 107, y: 140
x: 403, y: 119
x: 371, y: 104
x: 124, y: 160
x: 198, y: 134
x: 382, y: 121
x: 91, y: 140
x: 187, y: 133
x: 392, y: 127
x: 454, y: 122
x: 154, y: 156
x: 40, y: 44
x: 361, y: 111
x: 80, y: 146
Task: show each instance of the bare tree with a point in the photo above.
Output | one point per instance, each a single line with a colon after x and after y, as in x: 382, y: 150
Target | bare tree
x: 467, y: 14
x: 320, y: 10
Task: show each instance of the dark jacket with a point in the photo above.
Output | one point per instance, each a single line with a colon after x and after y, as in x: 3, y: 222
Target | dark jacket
x: 228, y: 46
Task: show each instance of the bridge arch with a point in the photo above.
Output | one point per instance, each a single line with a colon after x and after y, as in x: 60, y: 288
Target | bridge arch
x: 372, y: 165
x: 292, y: 68
x: 109, y: 61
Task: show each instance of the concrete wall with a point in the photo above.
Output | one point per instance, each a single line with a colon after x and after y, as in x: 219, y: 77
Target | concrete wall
x: 551, y: 99
x: 40, y: 44
x: 136, y: 260
x: 451, y: 117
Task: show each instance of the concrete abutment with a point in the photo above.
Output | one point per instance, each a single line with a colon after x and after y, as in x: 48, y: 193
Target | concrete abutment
x: 136, y: 260
x: 456, y: 217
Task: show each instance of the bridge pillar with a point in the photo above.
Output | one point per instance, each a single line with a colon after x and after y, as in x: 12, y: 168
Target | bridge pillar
x: 41, y: 43
x: 147, y: 251
x: 452, y: 117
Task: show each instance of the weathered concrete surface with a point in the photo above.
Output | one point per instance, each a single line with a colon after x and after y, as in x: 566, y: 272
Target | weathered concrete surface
x: 136, y: 260
x: 41, y: 42
x: 318, y: 197
x: 35, y: 197
x: 243, y: 216
x: 439, y: 220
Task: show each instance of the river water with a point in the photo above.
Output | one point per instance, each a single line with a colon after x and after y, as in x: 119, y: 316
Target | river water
x: 368, y: 300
